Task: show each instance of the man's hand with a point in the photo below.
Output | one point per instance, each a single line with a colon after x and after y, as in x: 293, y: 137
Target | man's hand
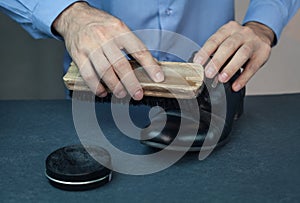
x: 249, y: 46
x: 94, y: 40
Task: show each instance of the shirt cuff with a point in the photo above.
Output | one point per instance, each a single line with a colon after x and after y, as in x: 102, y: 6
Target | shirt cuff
x: 269, y: 14
x: 45, y: 12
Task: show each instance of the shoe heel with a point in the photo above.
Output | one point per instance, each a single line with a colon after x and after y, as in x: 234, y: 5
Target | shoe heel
x: 240, y: 110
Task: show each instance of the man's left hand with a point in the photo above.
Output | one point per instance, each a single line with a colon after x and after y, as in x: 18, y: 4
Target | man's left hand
x: 248, y: 45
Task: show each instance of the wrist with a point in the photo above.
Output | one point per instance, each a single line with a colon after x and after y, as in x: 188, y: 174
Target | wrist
x: 62, y: 22
x: 263, y: 32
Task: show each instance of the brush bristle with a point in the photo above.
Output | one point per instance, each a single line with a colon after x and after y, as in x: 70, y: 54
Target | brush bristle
x: 165, y: 103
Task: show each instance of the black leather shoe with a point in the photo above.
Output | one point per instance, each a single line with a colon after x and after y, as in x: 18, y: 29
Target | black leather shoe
x: 220, y: 126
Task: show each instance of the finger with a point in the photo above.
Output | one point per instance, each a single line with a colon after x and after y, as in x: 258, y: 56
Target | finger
x: 211, y: 45
x: 140, y: 53
x: 258, y: 59
x: 150, y: 65
x: 114, y: 84
x: 223, y: 53
x: 201, y: 57
x: 104, y: 70
x: 239, y: 59
x: 124, y: 71
x: 91, y: 79
x: 99, y: 61
x: 251, y: 68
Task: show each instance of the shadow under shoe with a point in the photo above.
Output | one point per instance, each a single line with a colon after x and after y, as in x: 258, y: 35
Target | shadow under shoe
x: 213, y: 128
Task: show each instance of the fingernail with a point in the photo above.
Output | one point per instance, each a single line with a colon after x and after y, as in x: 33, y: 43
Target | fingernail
x: 159, y: 76
x: 121, y: 94
x: 237, y: 87
x: 138, y: 95
x: 209, y: 72
x: 223, y: 77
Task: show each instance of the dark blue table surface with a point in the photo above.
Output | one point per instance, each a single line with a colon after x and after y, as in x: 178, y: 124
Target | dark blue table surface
x: 261, y: 163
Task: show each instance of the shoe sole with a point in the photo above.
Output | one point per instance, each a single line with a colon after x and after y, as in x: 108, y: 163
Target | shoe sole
x: 179, y: 148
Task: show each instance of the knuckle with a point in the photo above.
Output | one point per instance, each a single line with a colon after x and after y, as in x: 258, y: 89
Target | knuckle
x: 223, y: 30
x: 267, y: 48
x: 120, y: 64
x: 214, y: 40
x: 216, y: 62
x: 238, y: 37
x: 252, y: 68
x: 122, y: 68
x: 105, y: 71
x: 229, y: 45
x: 247, y: 30
x: 246, y: 51
x: 232, y: 24
x: 140, y: 55
x: 118, y: 24
x: 130, y: 82
x: 257, y: 39
x: 264, y: 51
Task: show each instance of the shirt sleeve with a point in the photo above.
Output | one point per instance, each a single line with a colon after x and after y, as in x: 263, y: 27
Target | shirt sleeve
x: 273, y: 13
x: 35, y: 16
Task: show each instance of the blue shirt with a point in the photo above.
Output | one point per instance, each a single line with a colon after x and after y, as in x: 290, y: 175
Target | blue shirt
x: 194, y: 19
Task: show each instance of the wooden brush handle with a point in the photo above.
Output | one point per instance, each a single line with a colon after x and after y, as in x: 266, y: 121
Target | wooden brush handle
x: 182, y: 80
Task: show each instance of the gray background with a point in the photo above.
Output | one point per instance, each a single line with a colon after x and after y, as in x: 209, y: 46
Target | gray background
x: 32, y: 69
x: 29, y: 68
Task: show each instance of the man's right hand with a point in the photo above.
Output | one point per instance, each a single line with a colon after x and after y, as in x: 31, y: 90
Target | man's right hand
x: 95, y: 40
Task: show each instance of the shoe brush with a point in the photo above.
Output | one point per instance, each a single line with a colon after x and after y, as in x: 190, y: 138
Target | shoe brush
x: 183, y: 81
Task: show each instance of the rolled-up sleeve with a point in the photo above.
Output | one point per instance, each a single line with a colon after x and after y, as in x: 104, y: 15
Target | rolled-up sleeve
x: 35, y: 16
x: 273, y: 13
